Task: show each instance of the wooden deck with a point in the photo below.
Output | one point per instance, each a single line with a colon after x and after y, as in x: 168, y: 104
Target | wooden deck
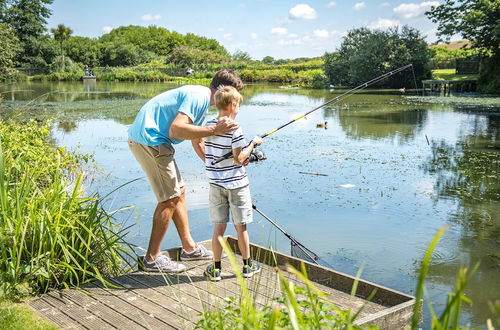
x: 158, y: 301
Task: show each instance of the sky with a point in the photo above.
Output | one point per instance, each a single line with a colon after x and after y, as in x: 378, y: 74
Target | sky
x: 277, y: 28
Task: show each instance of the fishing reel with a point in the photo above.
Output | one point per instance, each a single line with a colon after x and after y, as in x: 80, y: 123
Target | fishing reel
x: 256, y: 156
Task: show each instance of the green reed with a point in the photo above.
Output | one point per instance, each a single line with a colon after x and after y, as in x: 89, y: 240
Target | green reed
x: 51, y: 234
x: 306, y: 307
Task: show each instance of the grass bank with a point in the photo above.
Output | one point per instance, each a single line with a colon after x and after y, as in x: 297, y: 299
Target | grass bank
x: 450, y: 74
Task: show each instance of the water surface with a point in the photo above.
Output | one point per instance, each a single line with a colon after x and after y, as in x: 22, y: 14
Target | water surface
x: 398, y: 168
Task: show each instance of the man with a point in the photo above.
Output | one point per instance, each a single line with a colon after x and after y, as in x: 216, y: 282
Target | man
x: 165, y: 120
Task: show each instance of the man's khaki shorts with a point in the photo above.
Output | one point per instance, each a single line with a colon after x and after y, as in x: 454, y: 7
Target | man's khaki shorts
x: 159, y: 165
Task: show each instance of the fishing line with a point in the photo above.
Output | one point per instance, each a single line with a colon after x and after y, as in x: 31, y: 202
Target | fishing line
x: 337, y: 98
x: 414, y: 79
x: 309, y: 255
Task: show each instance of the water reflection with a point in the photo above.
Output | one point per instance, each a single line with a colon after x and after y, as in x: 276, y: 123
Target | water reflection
x: 378, y: 123
x: 468, y: 172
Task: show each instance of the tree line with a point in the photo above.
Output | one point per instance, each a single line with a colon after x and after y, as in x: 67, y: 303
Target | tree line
x: 363, y: 54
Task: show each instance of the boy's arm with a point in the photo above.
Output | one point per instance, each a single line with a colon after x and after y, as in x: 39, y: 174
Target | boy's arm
x: 199, y: 148
x: 241, y: 155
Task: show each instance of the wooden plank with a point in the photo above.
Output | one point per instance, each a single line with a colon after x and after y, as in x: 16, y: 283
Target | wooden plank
x: 140, y: 317
x: 161, y: 317
x: 77, y: 313
x: 96, y: 307
x: 179, y: 308
x: 54, y: 314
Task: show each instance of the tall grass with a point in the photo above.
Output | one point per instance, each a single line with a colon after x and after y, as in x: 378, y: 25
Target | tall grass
x: 306, y: 307
x: 298, y: 307
x: 51, y: 234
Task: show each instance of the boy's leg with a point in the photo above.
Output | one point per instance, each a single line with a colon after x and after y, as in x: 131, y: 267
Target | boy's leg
x: 243, y: 240
x: 219, y: 230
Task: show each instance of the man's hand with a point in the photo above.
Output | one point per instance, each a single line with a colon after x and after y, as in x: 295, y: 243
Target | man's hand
x: 225, y: 125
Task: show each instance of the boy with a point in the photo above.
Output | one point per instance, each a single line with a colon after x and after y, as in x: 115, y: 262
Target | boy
x: 229, y: 190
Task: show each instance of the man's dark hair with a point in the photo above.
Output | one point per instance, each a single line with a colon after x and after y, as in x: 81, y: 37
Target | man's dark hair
x: 227, y: 77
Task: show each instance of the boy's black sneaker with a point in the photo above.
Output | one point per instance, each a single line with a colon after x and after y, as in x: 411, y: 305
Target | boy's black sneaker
x: 213, y: 274
x: 248, y: 271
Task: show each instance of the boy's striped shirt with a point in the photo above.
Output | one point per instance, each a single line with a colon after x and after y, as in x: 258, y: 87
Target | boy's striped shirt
x: 225, y: 173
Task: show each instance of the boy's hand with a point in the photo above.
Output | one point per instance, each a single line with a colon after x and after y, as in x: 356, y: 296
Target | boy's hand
x: 225, y: 125
x: 257, y: 140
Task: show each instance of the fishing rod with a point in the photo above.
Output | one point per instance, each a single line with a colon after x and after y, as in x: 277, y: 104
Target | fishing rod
x: 311, y: 256
x: 337, y: 98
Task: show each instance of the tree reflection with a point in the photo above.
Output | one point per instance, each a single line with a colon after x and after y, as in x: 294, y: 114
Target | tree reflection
x: 382, y: 123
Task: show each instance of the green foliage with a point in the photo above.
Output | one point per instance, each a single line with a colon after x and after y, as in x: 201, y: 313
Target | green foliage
x: 478, y: 21
x: 240, y: 55
x: 19, y: 317
x: 365, y: 54
x: 273, y: 75
x: 66, y: 64
x: 312, y: 79
x: 51, y: 236
x: 61, y: 34
x: 449, y: 54
x: 8, y: 45
x: 84, y: 50
x: 187, y: 56
x: 119, y: 54
x: 28, y: 18
x: 298, y: 307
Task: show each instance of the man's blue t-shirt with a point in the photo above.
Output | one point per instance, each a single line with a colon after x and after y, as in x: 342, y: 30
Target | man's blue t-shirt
x: 152, y: 124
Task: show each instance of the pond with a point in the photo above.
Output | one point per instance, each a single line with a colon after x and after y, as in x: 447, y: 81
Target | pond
x: 396, y: 168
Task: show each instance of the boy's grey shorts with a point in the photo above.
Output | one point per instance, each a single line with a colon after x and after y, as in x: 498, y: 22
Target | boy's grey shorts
x: 237, y: 200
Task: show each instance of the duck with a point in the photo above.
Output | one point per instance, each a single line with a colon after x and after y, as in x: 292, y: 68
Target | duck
x: 402, y: 90
x: 325, y: 125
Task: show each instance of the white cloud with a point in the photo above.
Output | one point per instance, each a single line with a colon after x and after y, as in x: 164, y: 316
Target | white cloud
x: 150, y: 17
x: 359, y: 6
x: 384, y: 4
x: 320, y: 33
x: 383, y: 24
x: 221, y: 29
x: 107, y: 29
x: 228, y: 36
x: 302, y: 11
x: 278, y: 31
x: 292, y: 36
x: 254, y: 35
x: 283, y: 42
x: 413, y: 10
x: 331, y: 4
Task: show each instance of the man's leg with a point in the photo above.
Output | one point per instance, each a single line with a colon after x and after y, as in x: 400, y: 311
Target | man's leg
x: 161, y: 217
x: 181, y: 222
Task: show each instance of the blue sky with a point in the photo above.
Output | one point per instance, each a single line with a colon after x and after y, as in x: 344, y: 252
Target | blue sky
x: 282, y: 29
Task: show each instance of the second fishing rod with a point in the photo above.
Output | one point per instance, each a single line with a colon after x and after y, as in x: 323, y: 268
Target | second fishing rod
x: 337, y: 98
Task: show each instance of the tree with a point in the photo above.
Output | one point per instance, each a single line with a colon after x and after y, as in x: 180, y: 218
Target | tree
x: 28, y: 19
x: 61, y: 33
x: 268, y: 60
x: 365, y: 54
x: 240, y: 55
x: 8, y: 45
x: 478, y: 21
x: 192, y: 57
x: 84, y: 50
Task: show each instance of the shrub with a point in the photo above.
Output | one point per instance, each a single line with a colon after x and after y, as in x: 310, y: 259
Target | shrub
x: 51, y: 235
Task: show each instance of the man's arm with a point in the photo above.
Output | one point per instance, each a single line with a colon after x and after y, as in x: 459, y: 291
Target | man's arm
x: 182, y: 128
x: 199, y: 148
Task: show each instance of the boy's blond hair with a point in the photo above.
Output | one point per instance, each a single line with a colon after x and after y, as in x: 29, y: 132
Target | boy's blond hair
x: 227, y: 95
